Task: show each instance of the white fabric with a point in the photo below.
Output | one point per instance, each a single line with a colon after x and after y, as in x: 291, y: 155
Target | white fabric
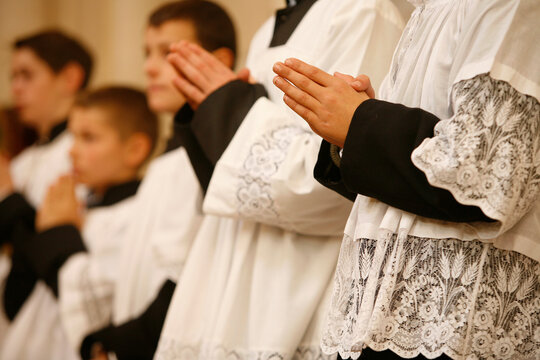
x: 168, y: 215
x: 404, y: 282
x: 86, y: 281
x: 35, y: 332
x: 259, y: 278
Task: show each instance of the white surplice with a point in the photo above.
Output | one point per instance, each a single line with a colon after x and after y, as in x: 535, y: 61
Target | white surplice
x: 168, y: 215
x: 470, y: 290
x: 255, y: 284
x: 35, y: 332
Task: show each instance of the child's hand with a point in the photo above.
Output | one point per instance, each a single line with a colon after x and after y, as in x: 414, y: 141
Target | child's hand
x: 60, y: 206
x: 6, y: 184
x: 359, y: 83
x: 98, y: 353
x: 326, y: 102
x: 199, y: 72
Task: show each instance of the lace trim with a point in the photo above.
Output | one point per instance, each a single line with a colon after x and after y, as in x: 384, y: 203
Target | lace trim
x: 170, y: 349
x: 487, y: 154
x: 414, y: 295
x: 265, y: 156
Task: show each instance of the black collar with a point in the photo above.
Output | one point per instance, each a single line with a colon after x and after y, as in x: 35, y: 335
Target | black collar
x: 54, y: 133
x: 114, y: 194
x: 182, y: 119
x: 288, y: 19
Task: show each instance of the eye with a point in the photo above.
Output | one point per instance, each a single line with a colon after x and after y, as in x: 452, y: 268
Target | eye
x: 88, y: 137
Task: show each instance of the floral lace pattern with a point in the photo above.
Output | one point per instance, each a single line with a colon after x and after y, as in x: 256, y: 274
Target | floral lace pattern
x: 265, y: 156
x: 469, y: 300
x: 488, y: 153
x: 169, y: 349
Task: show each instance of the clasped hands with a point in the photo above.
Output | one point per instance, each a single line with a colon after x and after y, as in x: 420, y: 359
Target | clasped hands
x: 60, y: 206
x: 326, y: 102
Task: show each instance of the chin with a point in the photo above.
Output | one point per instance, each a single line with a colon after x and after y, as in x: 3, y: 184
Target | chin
x: 163, y: 107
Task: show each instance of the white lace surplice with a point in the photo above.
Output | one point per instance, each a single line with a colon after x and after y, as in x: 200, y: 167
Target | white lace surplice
x: 415, y: 285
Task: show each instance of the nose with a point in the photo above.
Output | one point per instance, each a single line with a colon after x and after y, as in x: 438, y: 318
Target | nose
x: 151, y: 66
x: 73, y: 151
x: 16, y: 86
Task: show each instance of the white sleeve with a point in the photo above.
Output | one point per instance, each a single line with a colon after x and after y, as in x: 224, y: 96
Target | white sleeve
x: 85, y: 293
x: 488, y: 153
x: 266, y: 173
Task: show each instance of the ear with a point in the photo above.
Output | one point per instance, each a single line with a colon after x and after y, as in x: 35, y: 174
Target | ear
x: 138, y: 148
x: 225, y: 55
x: 73, y: 76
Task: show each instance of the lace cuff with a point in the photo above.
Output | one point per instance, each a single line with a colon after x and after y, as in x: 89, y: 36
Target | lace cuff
x: 487, y: 154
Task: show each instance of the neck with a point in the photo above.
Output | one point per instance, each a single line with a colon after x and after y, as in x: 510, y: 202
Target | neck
x: 60, y: 113
x: 121, y: 178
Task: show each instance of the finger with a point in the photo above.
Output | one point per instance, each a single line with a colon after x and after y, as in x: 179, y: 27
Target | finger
x: 304, y: 112
x: 310, y: 71
x: 298, y: 95
x: 347, y: 78
x: 192, y: 93
x: 209, y: 59
x: 188, y: 71
x: 366, y: 83
x: 206, y: 63
x: 299, y: 80
x: 244, y: 75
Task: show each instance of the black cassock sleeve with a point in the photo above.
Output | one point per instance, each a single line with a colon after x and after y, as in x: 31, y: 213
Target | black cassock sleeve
x: 21, y: 278
x: 207, y: 132
x: 137, y: 338
x: 14, y: 210
x: 50, y: 249
x: 376, y: 162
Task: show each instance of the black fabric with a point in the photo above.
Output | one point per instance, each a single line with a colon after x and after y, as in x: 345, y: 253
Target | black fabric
x: 329, y: 174
x: 377, y: 163
x: 54, y: 133
x: 47, y: 251
x: 14, y: 209
x: 208, y: 132
x: 288, y: 19
x: 115, y: 194
x: 137, y: 338
x: 174, y: 142
x: 21, y: 278
x: 369, y: 354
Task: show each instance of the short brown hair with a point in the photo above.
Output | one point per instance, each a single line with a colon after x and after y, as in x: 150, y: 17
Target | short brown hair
x: 213, y: 26
x: 58, y: 50
x: 128, y: 110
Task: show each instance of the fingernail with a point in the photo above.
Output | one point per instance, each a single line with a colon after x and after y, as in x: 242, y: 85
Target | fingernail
x: 277, y: 80
x: 289, y: 61
x: 278, y: 66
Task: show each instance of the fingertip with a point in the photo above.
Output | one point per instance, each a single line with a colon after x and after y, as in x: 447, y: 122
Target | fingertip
x: 291, y: 61
x: 278, y: 66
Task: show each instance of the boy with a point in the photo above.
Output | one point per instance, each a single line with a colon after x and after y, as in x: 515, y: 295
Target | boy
x: 277, y: 255
x: 170, y: 196
x: 48, y: 70
x: 114, y: 134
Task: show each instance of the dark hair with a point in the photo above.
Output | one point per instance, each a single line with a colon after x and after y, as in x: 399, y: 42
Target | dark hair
x: 127, y: 110
x: 213, y: 26
x: 58, y: 50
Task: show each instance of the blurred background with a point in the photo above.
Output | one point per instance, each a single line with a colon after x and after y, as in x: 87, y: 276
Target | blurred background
x: 112, y: 29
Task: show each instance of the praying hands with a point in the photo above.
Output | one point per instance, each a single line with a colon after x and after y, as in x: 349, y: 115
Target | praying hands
x: 326, y: 102
x: 200, y: 72
x: 60, y: 206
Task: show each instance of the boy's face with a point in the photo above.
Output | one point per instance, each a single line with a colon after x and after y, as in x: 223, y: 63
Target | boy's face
x: 161, y: 93
x: 99, y: 154
x: 35, y: 88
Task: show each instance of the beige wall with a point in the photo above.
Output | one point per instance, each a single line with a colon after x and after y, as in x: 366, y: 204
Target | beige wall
x: 113, y: 29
